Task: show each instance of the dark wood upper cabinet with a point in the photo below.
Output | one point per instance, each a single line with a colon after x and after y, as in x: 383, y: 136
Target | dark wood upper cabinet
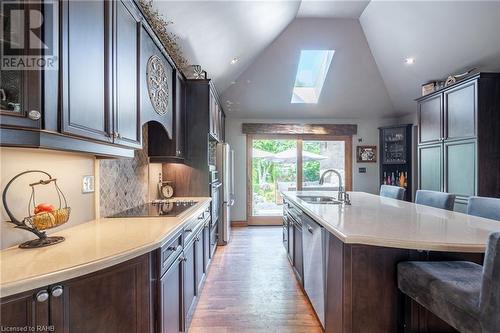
x: 180, y: 117
x: 162, y: 148
x: 151, y: 47
x: 430, y: 167
x: 86, y: 69
x: 460, y: 111
x: 20, y: 90
x: 217, y: 117
x: 430, y: 114
x: 100, y: 71
x: 127, y: 34
x: 459, y: 145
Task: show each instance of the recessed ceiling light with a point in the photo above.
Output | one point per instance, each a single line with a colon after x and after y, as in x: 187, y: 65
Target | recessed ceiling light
x: 234, y: 60
x: 409, y: 61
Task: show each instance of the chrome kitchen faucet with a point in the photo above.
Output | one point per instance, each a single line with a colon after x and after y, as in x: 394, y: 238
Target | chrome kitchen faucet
x: 343, y: 196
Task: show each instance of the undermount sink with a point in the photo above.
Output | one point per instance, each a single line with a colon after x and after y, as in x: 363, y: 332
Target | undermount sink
x: 319, y: 199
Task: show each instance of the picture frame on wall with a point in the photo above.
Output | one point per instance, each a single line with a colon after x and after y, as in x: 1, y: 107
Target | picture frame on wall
x: 366, y: 154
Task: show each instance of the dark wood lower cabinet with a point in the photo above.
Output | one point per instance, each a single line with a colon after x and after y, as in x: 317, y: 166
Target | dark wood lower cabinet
x: 199, y: 269
x: 298, y: 253
x: 206, y: 247
x: 115, y: 299
x: 111, y: 300
x: 213, y: 240
x: 189, y: 283
x: 24, y: 310
x: 170, y: 317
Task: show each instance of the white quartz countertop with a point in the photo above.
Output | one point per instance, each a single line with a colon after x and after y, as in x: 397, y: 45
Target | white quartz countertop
x: 379, y: 221
x: 88, y: 247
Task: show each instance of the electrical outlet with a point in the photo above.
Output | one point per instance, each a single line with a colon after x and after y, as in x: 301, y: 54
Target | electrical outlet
x: 88, y: 184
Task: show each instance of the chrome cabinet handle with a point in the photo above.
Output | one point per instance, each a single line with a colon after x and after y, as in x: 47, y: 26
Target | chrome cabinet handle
x: 188, y: 230
x: 56, y: 291
x: 310, y: 229
x: 174, y: 248
x: 34, y: 115
x: 42, y: 296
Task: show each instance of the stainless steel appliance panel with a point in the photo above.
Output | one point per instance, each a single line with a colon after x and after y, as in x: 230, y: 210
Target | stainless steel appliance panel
x: 314, y: 265
x: 225, y: 167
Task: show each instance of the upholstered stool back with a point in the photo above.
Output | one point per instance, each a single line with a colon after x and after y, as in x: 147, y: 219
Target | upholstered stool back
x: 435, y: 199
x: 394, y: 192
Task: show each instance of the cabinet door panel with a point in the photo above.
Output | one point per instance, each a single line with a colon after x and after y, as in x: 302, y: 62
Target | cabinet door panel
x: 112, y: 300
x: 430, y: 119
x: 290, y: 242
x: 460, y: 104
x: 149, y: 48
x: 22, y: 310
x: 180, y: 117
x: 298, y: 254
x: 85, y: 69
x: 127, y: 34
x: 198, y: 261
x: 189, y: 283
x: 460, y: 162
x: 206, y: 247
x: 430, y: 167
x: 170, y: 299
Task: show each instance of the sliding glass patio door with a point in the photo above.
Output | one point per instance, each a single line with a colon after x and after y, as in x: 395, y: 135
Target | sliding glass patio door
x: 288, y: 163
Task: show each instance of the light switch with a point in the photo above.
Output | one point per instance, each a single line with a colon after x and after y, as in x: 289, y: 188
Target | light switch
x: 88, y: 184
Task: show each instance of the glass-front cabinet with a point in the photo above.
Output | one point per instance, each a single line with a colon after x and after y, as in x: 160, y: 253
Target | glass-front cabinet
x: 394, y: 145
x: 20, y: 88
x: 395, y: 157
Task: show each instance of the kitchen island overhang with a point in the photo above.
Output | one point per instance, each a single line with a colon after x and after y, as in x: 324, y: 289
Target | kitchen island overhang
x: 364, y: 243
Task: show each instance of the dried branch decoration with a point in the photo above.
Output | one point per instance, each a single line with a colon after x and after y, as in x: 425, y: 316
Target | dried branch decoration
x: 168, y: 39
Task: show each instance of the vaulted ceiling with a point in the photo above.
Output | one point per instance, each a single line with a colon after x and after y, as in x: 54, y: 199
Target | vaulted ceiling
x: 368, y: 76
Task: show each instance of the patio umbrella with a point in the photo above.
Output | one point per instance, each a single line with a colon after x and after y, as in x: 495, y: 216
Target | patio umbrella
x: 290, y: 156
x: 262, y: 154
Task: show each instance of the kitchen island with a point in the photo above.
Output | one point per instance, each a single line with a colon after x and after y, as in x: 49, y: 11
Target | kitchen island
x: 112, y: 274
x: 361, y: 246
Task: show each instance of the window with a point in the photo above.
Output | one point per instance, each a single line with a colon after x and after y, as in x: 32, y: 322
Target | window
x: 278, y: 163
x: 311, y: 75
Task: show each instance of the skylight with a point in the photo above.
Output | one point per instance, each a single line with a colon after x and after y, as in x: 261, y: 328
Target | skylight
x: 311, y: 75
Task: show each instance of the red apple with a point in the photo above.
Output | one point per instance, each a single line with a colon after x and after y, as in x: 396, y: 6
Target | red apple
x: 44, y: 207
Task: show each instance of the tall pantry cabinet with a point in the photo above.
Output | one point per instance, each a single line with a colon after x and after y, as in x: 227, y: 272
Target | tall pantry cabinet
x: 459, y: 139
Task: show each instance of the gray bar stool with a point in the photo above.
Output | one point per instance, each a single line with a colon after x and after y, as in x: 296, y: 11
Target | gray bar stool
x: 464, y: 294
x: 393, y: 192
x: 435, y: 199
x: 484, y: 207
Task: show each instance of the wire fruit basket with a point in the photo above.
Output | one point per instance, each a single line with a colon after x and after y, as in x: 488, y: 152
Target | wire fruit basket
x: 40, y: 216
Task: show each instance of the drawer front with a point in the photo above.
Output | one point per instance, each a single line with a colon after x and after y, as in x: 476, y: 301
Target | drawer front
x: 194, y: 225
x: 213, y: 241
x: 170, y: 252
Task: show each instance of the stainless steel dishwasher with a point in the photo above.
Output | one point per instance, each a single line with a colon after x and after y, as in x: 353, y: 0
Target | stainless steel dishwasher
x: 313, y: 238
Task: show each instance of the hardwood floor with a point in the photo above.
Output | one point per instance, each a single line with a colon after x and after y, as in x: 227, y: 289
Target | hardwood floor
x: 251, y: 288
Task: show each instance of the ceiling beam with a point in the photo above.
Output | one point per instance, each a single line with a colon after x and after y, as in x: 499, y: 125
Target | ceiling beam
x: 304, y: 129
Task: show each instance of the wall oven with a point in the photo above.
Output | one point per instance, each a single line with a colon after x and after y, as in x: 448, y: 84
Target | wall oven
x: 215, y: 192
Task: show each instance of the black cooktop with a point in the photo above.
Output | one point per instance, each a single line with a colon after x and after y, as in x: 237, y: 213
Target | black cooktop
x: 158, y: 208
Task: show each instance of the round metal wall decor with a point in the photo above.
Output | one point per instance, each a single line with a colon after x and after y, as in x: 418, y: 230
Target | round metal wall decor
x: 156, y: 75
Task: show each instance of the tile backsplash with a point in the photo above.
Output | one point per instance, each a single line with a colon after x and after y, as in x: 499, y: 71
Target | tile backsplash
x: 124, y: 182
